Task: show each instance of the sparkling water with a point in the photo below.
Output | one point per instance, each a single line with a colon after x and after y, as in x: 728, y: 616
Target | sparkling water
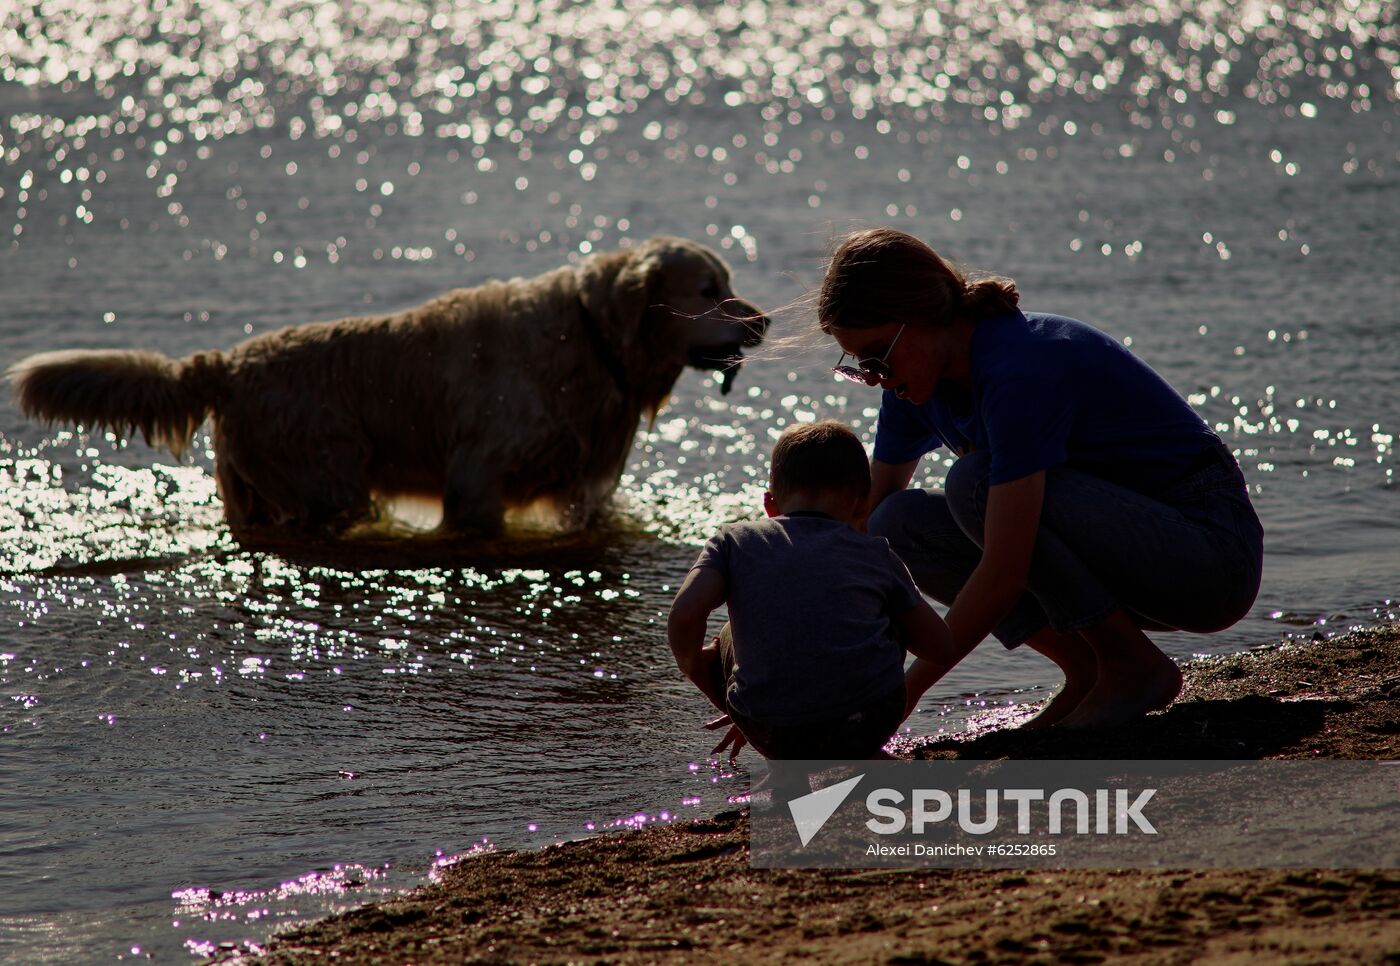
x: 200, y: 745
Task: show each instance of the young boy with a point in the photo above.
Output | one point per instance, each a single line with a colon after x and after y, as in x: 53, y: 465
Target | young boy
x: 820, y: 615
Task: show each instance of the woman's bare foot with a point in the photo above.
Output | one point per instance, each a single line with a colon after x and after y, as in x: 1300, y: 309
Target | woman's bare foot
x: 1073, y: 655
x: 1061, y: 705
x: 1134, y: 676
x: 1114, y: 701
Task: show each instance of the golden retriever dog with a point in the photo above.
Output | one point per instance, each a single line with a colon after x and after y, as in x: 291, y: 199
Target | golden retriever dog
x: 488, y: 398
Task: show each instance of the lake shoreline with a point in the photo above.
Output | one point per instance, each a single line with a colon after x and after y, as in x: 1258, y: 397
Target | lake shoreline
x: 676, y: 892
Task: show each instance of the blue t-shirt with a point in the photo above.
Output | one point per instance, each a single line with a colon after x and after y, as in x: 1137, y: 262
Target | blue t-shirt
x: 1048, y: 390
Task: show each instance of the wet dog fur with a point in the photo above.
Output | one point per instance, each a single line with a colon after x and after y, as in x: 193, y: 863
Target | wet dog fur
x: 487, y: 398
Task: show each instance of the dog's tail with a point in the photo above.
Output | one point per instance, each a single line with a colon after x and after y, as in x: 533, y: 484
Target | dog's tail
x: 123, y: 390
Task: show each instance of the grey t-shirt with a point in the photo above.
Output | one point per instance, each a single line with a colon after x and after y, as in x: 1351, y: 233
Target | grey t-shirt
x: 810, y: 607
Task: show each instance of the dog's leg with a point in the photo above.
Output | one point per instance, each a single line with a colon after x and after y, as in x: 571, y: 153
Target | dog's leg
x: 262, y: 486
x: 238, y: 501
x: 334, y: 503
x: 326, y: 504
x: 581, y: 509
x: 471, y: 500
x: 246, y: 510
x: 336, y: 509
x: 243, y: 507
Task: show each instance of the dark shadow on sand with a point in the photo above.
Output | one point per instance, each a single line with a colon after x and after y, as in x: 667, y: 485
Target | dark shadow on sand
x: 1252, y: 726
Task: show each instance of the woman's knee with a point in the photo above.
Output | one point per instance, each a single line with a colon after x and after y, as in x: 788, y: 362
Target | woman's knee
x: 902, y: 515
x: 922, y: 531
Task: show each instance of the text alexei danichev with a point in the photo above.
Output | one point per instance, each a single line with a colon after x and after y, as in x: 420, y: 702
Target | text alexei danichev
x: 922, y: 849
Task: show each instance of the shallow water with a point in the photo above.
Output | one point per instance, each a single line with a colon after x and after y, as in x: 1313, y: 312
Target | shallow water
x: 200, y: 744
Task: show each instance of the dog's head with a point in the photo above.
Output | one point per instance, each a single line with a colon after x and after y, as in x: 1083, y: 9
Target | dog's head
x: 674, y: 295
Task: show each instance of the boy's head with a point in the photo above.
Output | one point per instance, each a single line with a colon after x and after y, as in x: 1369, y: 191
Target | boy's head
x: 824, y: 461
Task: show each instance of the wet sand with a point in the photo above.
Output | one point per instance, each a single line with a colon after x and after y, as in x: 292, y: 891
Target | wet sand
x: 685, y: 892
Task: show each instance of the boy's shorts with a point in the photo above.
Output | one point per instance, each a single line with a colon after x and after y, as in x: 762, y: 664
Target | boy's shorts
x: 852, y: 737
x: 855, y: 736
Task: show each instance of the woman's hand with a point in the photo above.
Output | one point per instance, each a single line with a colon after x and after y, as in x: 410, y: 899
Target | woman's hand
x: 920, y: 676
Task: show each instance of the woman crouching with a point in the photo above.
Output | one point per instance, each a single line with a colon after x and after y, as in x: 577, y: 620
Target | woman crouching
x: 1088, y: 502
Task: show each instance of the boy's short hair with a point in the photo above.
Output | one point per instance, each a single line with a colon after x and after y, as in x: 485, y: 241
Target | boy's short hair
x: 819, y: 456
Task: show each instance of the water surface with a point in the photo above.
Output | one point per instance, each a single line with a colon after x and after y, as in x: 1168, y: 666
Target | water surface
x: 200, y: 744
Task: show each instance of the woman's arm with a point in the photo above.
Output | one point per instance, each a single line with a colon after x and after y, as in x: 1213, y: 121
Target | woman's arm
x: 1013, y: 516
x: 925, y: 636
x: 1008, y: 538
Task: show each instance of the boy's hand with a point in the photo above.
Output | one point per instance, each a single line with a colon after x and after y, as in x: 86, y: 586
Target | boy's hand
x: 733, y: 738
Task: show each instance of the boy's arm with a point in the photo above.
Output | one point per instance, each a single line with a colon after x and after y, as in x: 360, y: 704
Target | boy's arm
x: 703, y: 590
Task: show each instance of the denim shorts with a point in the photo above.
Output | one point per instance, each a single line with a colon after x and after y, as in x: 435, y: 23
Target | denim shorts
x: 1186, y: 557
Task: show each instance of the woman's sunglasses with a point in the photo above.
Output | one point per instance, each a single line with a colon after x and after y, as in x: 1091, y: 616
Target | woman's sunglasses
x: 868, y: 371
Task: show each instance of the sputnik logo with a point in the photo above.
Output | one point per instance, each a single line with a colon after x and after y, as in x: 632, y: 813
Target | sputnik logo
x: 810, y: 812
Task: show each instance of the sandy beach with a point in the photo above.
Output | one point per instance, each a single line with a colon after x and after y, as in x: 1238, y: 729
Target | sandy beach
x: 685, y: 891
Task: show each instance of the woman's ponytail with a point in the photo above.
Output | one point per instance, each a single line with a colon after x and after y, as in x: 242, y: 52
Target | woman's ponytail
x: 988, y: 295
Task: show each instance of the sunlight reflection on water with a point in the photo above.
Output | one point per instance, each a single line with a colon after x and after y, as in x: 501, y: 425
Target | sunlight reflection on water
x: 1209, y: 183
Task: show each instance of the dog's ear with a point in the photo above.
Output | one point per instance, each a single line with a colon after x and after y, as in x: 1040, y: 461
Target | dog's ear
x: 617, y: 287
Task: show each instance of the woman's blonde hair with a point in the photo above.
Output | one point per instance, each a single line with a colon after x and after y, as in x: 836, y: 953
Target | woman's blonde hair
x: 882, y: 275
